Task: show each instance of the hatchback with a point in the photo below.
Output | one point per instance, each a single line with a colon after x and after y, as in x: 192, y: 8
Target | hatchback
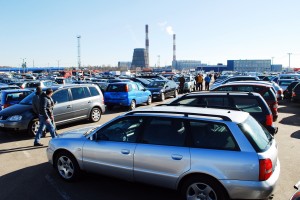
x: 203, y: 153
x: 245, y: 101
x: 128, y: 94
x: 296, y: 93
x: 266, y: 91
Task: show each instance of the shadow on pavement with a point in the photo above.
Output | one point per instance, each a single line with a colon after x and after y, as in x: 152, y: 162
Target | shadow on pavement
x: 288, y: 107
x: 42, y: 182
x: 293, y: 120
x: 296, y: 135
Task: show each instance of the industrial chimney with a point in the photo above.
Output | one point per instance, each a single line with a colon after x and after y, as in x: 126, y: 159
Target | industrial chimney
x: 174, y: 47
x: 147, y: 48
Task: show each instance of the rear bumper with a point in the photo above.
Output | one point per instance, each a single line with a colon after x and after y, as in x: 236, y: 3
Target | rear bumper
x: 122, y: 102
x: 252, y: 189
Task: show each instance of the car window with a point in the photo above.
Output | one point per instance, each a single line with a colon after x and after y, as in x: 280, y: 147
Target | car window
x: 140, y: 86
x: 245, y: 88
x: 94, y: 91
x: 33, y: 85
x: 123, y: 130
x: 250, y: 105
x: 78, y: 93
x: 86, y: 92
x: 48, y: 83
x: 225, y: 88
x: 116, y: 88
x: 134, y: 87
x: 164, y: 131
x: 257, y: 135
x: 61, y: 96
x: 212, y: 136
x: 17, y: 96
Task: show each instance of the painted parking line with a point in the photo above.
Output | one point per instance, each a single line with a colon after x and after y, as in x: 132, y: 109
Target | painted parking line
x: 63, y: 194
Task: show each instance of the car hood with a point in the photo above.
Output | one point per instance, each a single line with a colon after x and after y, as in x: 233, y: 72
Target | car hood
x: 16, y: 109
x: 77, y: 133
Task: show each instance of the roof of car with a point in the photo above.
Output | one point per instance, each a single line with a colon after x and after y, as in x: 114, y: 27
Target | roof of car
x: 16, y: 90
x: 247, y: 83
x: 207, y: 113
x: 235, y: 93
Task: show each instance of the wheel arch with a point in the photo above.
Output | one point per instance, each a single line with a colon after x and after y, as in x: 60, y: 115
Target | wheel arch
x: 58, y: 151
x: 188, y: 176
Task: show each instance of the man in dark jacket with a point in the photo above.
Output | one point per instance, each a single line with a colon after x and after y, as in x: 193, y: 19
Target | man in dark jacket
x: 45, y: 115
x: 36, y: 100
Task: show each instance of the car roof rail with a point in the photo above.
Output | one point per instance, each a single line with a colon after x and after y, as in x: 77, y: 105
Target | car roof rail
x: 225, y: 118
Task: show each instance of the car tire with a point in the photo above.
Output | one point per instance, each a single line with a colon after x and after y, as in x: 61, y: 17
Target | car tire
x: 203, y: 187
x: 66, y: 166
x: 175, y: 93
x: 33, y: 127
x: 162, y: 97
x: 132, y: 105
x: 149, y: 100
x: 95, y: 115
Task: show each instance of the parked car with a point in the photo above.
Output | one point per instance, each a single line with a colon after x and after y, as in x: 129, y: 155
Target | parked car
x: 288, y: 91
x: 127, y: 94
x: 189, y: 84
x: 201, y: 152
x: 162, y: 89
x: 296, y: 93
x: 142, y: 81
x: 72, y: 103
x: 8, y: 87
x: 296, y: 195
x: 12, y: 97
x: 245, y: 101
x: 33, y: 84
x: 233, y: 78
x: 266, y: 91
x: 284, y: 83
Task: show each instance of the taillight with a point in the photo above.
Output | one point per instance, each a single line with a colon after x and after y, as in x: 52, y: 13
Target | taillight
x: 269, y: 120
x: 6, y: 105
x: 279, y: 92
x: 265, y: 169
x: 293, y: 94
x: 126, y: 88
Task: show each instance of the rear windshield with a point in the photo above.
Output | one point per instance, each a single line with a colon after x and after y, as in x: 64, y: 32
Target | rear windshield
x: 285, y: 83
x: 116, y: 88
x: 257, y: 135
x: 33, y: 85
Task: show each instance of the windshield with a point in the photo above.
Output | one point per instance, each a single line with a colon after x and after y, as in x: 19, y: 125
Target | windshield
x: 28, y: 99
x: 257, y: 135
x: 157, y: 84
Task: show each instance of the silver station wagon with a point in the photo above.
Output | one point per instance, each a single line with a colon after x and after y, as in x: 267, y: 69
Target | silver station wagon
x: 203, y: 153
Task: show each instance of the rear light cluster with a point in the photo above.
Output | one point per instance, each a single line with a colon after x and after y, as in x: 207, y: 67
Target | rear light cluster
x: 279, y: 92
x: 6, y: 105
x: 265, y: 169
x: 126, y: 88
x: 269, y: 120
x: 293, y: 94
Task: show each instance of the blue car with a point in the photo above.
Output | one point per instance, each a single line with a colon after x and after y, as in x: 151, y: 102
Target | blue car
x: 13, y: 96
x: 127, y: 94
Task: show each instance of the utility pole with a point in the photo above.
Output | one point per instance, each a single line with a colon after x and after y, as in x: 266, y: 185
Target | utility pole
x: 79, y: 62
x: 289, y: 60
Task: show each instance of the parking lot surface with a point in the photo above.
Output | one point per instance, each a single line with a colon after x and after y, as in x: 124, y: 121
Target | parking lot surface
x: 26, y: 174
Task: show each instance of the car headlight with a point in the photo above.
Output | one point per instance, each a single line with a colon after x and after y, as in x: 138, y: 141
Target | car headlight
x: 14, y: 118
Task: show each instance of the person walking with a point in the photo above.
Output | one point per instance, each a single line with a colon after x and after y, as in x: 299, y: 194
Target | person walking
x: 46, y: 117
x: 207, y: 81
x: 36, y: 110
x: 181, y: 83
x: 199, y: 82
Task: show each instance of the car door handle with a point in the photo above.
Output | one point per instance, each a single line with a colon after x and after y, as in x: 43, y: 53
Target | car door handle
x: 125, y: 151
x: 69, y: 106
x: 176, y: 157
x: 89, y: 102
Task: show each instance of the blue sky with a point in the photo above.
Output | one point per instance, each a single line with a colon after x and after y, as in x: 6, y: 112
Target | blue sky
x: 213, y: 31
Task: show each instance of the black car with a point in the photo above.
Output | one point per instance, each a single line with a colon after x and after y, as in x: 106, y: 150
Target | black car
x: 288, y: 92
x: 296, y: 93
x: 250, y: 102
x: 162, y: 89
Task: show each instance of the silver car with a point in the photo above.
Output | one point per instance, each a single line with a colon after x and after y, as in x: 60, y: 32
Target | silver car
x: 204, y: 153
